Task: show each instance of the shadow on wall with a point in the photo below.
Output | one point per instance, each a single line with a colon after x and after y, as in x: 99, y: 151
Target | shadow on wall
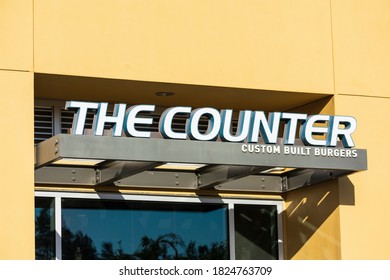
x: 312, y: 220
x: 347, y: 192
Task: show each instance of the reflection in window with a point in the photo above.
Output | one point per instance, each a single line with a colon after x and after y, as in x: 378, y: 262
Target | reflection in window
x: 44, y: 228
x: 106, y: 229
x: 256, y: 232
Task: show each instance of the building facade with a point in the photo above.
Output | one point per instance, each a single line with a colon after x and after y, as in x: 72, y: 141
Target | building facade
x: 310, y: 57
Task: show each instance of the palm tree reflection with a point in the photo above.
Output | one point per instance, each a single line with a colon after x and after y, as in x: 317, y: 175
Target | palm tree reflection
x: 77, y: 245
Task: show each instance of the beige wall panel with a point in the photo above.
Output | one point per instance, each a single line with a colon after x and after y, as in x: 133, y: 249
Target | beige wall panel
x: 17, y: 165
x: 365, y: 219
x: 312, y: 222
x: 16, y: 34
x: 361, y: 46
x: 279, y: 45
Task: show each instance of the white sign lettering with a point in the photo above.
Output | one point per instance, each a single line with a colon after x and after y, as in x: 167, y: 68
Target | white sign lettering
x: 251, y: 125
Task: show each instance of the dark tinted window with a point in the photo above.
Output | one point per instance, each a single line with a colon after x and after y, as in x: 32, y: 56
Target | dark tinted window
x: 256, y: 232
x: 106, y: 229
x: 44, y: 228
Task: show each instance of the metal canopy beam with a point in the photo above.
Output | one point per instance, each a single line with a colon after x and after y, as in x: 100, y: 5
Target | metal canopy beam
x: 51, y: 175
x: 217, y: 175
x: 87, y: 176
x: 161, y: 179
x: 306, y: 177
x: 254, y: 183
x: 202, y: 152
x: 115, y: 171
x: 130, y: 162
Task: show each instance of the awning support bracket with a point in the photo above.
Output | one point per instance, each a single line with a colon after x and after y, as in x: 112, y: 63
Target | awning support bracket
x: 219, y: 174
x: 115, y: 171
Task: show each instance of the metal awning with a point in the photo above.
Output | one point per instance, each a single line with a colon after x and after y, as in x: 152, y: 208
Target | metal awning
x: 137, y: 162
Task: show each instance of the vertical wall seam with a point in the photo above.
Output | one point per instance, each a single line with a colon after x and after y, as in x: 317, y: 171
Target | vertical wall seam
x: 32, y: 112
x: 332, y: 43
x: 33, y: 36
x: 334, y: 108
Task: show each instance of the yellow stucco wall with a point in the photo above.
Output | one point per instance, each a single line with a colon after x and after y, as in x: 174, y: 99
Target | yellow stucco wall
x: 365, y: 223
x: 361, y: 47
x: 307, y: 46
x: 16, y: 34
x: 312, y: 222
x: 362, y: 58
x: 17, y: 233
x: 17, y: 127
x: 280, y: 45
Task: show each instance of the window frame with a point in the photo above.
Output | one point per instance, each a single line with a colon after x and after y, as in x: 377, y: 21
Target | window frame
x: 230, y: 202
